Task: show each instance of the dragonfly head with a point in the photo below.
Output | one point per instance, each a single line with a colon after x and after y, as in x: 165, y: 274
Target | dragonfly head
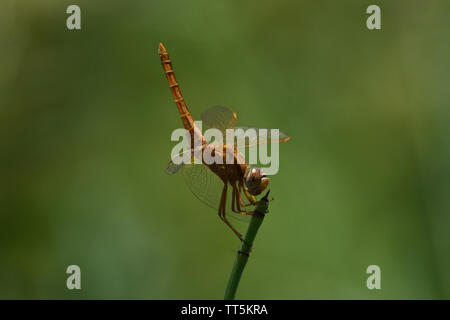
x: 256, y: 181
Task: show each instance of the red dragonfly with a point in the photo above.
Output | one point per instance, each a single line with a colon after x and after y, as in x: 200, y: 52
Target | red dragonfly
x: 206, y: 180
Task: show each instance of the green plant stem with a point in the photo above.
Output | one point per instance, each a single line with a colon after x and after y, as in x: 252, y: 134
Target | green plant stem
x: 246, y: 246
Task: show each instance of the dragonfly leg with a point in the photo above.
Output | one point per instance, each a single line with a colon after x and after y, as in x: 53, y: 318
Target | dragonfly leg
x: 233, y: 197
x: 252, y: 199
x: 237, y: 201
x: 222, y: 209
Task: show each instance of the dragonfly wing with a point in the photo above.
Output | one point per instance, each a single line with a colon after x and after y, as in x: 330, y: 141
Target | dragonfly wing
x: 219, y: 117
x: 207, y: 187
x: 173, y: 168
x: 177, y: 162
x: 222, y: 118
x: 203, y: 183
x: 256, y: 136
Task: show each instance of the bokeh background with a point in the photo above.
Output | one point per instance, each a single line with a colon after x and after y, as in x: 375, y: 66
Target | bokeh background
x: 86, y: 118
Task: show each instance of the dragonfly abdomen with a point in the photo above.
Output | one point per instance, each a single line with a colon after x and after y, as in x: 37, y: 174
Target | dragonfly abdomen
x: 186, y: 118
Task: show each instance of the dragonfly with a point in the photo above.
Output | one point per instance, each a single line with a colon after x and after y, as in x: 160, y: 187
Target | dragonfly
x: 211, y: 182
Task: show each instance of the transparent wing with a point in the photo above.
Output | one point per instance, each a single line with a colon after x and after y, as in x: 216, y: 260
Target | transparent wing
x: 177, y: 162
x: 207, y: 187
x: 256, y: 136
x: 219, y: 117
x: 173, y: 168
x: 222, y: 118
x: 203, y: 183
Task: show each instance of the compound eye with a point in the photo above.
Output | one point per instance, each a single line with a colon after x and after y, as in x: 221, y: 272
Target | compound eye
x: 253, y: 178
x: 256, y: 181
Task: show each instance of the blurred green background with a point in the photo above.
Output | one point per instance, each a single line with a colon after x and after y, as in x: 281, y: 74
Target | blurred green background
x: 86, y: 118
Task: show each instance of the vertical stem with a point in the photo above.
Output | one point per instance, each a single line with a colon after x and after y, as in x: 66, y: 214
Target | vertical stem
x: 246, y: 246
